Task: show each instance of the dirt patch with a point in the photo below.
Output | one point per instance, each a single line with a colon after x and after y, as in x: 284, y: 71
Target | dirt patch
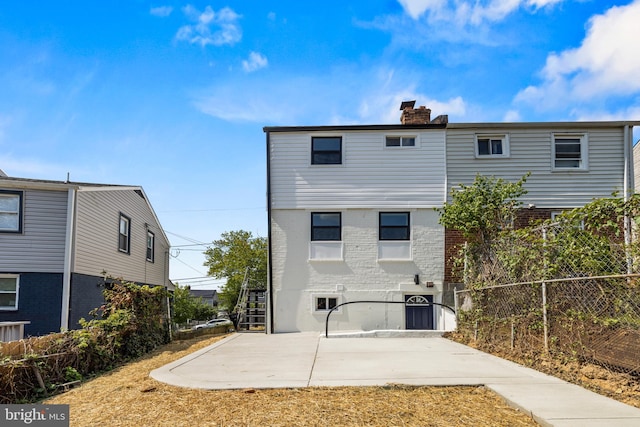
x: 129, y: 397
x: 616, y: 385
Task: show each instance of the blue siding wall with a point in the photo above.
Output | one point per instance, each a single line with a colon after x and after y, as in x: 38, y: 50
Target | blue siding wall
x: 86, y: 295
x: 39, y: 301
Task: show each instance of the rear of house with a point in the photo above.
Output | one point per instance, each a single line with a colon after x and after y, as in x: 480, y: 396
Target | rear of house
x: 571, y: 163
x: 351, y: 219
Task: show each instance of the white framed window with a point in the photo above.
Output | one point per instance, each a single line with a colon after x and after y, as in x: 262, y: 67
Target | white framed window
x: 10, y: 211
x: 394, y: 226
x: 9, y: 284
x: 124, y: 234
x: 326, y: 150
x: 151, y: 243
x: 492, y: 146
x: 322, y: 303
x: 569, y: 152
x: 394, y: 236
x: 326, y: 236
x: 400, y: 141
x: 326, y: 226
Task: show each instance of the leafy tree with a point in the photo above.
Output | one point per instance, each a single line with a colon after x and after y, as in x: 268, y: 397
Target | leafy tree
x: 231, y: 256
x: 187, y: 307
x: 482, y: 212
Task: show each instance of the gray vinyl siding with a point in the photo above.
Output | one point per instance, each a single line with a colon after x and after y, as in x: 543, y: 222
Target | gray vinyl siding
x: 96, y: 249
x: 531, y: 151
x: 370, y: 176
x: 40, y: 246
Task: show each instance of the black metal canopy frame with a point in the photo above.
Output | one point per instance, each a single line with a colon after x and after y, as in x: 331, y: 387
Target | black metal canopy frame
x: 423, y: 302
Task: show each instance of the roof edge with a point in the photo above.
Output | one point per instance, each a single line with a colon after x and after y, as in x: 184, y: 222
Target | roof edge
x: 450, y: 125
x: 334, y: 128
x: 516, y: 125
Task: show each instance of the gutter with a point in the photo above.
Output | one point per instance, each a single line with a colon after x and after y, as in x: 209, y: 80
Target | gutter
x: 68, y: 259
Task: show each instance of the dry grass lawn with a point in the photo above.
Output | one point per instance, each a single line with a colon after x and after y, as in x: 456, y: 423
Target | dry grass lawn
x: 128, y: 397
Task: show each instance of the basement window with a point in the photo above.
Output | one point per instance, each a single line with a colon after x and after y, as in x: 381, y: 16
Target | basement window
x: 325, y: 303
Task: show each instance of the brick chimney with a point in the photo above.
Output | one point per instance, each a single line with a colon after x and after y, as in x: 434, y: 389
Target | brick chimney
x: 411, y: 116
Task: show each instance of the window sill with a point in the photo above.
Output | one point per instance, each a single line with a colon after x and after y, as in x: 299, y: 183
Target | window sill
x: 569, y: 170
x: 492, y: 157
x: 326, y: 251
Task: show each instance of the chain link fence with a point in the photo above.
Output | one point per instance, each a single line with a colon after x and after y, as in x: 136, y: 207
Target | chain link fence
x: 560, y: 288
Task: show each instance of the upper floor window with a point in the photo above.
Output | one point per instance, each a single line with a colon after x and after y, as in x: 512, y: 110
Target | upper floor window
x: 326, y: 150
x: 492, y: 146
x: 151, y: 242
x: 570, y: 151
x: 124, y: 234
x: 394, y: 226
x: 326, y: 226
x: 400, y: 141
x: 10, y: 211
x: 9, y: 291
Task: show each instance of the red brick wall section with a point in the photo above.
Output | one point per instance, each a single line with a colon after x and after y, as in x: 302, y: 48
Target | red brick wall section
x: 418, y: 116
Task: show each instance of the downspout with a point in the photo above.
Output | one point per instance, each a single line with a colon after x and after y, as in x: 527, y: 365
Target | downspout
x: 68, y: 259
x: 627, y: 162
x: 627, y: 191
x: 269, y: 251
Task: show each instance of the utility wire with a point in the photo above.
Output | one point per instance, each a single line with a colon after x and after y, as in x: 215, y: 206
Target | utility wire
x: 193, y: 268
x: 189, y: 239
x: 218, y: 210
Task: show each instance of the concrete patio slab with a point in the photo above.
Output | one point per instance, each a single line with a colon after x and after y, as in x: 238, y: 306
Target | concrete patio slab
x: 308, y: 359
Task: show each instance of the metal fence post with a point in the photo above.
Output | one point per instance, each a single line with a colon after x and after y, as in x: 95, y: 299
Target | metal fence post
x: 545, y: 325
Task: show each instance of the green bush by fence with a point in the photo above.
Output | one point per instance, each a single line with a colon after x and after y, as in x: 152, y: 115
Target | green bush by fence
x: 132, y: 322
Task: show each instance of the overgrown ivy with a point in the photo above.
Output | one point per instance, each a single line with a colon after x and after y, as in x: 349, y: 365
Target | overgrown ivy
x: 132, y: 321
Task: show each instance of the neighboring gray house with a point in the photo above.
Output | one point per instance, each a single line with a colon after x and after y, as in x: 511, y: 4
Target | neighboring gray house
x: 351, y: 208
x: 58, y: 241
x: 208, y: 296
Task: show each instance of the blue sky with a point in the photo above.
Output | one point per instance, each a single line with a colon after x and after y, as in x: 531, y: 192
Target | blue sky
x: 173, y: 95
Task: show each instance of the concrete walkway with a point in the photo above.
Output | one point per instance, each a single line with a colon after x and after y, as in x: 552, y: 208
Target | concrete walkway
x: 309, y: 360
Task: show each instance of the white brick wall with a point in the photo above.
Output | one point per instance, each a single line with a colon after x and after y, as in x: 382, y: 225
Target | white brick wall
x: 359, y: 276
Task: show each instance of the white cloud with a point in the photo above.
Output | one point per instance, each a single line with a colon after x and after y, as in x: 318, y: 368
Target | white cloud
x: 210, y: 27
x: 512, y: 116
x: 254, y: 62
x: 416, y: 8
x: 372, y: 97
x: 604, y: 66
x: 32, y: 168
x: 596, y: 114
x: 474, y: 12
x: 161, y: 11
